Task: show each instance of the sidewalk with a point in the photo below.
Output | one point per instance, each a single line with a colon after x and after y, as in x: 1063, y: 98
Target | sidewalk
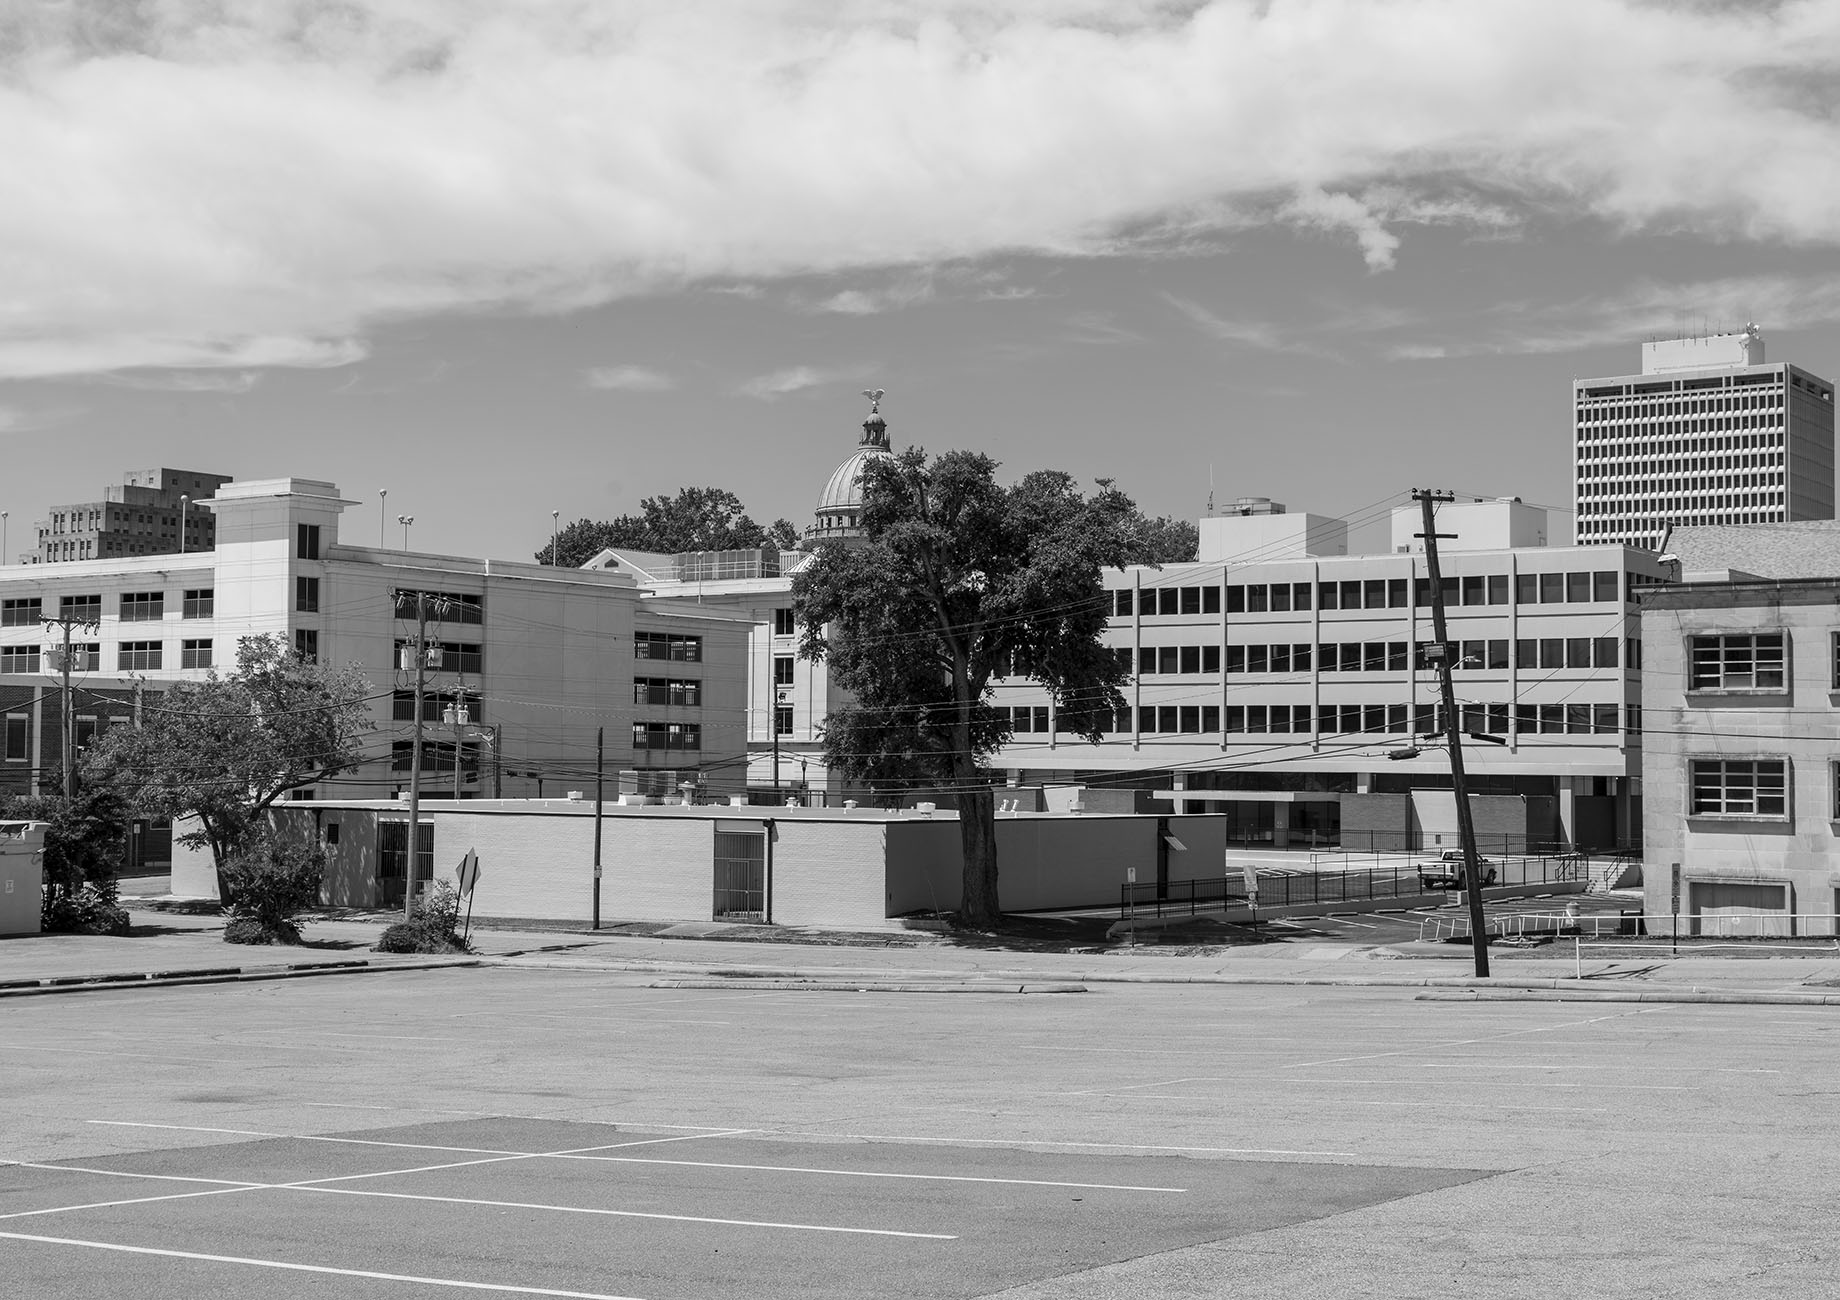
x: 165, y: 941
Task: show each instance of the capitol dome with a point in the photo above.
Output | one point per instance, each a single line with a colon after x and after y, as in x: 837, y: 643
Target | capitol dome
x: 839, y: 509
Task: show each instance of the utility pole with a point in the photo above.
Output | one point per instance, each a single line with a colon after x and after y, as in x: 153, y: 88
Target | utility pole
x: 67, y: 712
x: 1453, y: 732
x: 600, y: 776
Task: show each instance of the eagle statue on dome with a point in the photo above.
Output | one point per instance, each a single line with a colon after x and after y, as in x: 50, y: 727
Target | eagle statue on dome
x: 875, y: 396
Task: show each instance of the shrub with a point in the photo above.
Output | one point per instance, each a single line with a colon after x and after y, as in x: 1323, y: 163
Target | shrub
x: 89, y: 908
x: 432, y: 927
x: 270, y: 884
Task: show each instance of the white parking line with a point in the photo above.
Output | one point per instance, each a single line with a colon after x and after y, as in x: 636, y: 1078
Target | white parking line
x: 501, y: 1288
x: 590, y: 1157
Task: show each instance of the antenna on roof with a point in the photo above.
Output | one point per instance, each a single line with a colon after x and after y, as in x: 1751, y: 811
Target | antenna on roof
x: 1210, y: 504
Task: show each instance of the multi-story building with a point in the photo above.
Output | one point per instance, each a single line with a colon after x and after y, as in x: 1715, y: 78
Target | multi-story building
x: 533, y: 660
x: 153, y: 512
x: 1708, y: 433
x: 1283, y: 681
x: 1739, y: 762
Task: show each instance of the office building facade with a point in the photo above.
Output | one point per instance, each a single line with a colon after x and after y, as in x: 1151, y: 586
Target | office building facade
x: 153, y: 512
x: 1707, y: 434
x: 534, y: 662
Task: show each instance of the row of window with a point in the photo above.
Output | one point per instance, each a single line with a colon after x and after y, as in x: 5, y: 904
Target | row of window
x: 435, y: 705
x: 662, y: 645
x: 1381, y: 656
x: 131, y: 656
x: 440, y: 606
x: 1573, y: 588
x: 1349, y: 719
x: 86, y: 726
x: 1754, y: 662
x: 686, y: 692
x: 667, y: 735
x: 443, y: 656
x: 135, y: 607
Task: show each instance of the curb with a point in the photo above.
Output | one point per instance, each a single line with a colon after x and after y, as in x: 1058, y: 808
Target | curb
x: 1699, y: 996
x: 864, y: 986
x: 1441, y: 987
x: 214, y: 975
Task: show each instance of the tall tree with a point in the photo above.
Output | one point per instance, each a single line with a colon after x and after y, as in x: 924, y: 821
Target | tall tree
x: 1162, y: 540
x: 224, y: 749
x: 696, y: 519
x: 960, y: 580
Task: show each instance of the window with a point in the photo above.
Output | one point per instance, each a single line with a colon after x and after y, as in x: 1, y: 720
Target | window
x: 1191, y: 599
x: 195, y: 654
x: 1351, y: 595
x: 782, y: 670
x: 667, y: 735
x: 1578, y: 652
x: 306, y: 541
x: 1326, y: 596
x: 1122, y: 603
x: 1210, y: 717
x: 306, y: 595
x: 139, y: 656
x: 1498, y: 589
x: 19, y: 659
x: 87, y: 608
x: 1191, y: 719
x: 1736, y: 663
x: 660, y: 645
x: 1578, y: 588
x: 200, y: 602
x: 306, y: 645
x: 85, y: 657
x: 1603, y: 653
x: 1146, y: 659
x: 441, y: 606
x: 1146, y: 718
x: 1210, y: 600
x: 1475, y: 590
x: 435, y: 705
x: 1236, y: 600
x: 1552, y: 652
x: 1210, y: 659
x: 1166, y: 718
x: 1603, y: 719
x: 782, y: 720
x: 1191, y: 658
x: 1300, y: 595
x: 142, y: 606
x: 1474, y: 655
x: 18, y: 738
x: 784, y: 623
x: 1728, y: 787
x: 1603, y: 586
x: 26, y: 611
x: 1552, y: 588
x: 1498, y: 654
x: 1526, y: 589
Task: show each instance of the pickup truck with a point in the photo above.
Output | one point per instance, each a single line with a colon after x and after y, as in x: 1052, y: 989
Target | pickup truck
x: 1447, y: 872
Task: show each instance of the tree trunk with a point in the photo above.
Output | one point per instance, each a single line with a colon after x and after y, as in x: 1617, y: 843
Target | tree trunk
x: 977, y: 834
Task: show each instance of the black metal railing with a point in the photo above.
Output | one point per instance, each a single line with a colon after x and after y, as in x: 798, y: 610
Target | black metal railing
x: 1290, y: 887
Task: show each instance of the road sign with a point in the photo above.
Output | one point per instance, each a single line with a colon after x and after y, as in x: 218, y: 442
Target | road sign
x: 1130, y: 875
x: 468, y: 873
x: 1250, y: 874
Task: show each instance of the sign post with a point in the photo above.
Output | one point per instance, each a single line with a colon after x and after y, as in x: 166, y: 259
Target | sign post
x: 1250, y: 875
x: 468, y: 876
x: 1674, y: 929
x: 1130, y: 901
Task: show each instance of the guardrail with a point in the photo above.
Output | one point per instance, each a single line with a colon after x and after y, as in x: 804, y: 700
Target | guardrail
x: 1280, y: 887
x: 1510, y: 925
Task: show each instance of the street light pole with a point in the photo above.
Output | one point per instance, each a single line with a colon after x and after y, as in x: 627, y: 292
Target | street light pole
x: 67, y: 715
x: 3, y: 515
x: 1453, y: 731
x: 555, y: 536
x: 185, y: 504
x: 405, y: 521
x: 383, y: 519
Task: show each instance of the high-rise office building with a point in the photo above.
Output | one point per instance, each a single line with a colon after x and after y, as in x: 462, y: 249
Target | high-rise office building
x: 141, y: 517
x: 1708, y: 433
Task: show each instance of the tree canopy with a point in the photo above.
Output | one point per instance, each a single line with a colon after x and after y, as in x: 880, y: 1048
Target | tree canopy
x: 1162, y: 540
x: 961, y: 580
x: 696, y: 519
x: 224, y: 749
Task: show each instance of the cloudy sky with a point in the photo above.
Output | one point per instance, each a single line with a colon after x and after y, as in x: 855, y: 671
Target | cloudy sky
x: 503, y: 257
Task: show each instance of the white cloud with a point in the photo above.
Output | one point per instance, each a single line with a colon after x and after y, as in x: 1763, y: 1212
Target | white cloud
x: 630, y: 379
x: 779, y: 383
x: 186, y: 381
x: 16, y: 420
x: 1254, y: 334
x: 1649, y: 309
x: 194, y: 184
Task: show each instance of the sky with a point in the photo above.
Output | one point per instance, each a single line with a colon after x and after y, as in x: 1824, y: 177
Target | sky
x: 507, y: 257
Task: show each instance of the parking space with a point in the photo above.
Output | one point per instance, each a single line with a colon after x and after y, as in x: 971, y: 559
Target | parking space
x: 554, y: 1208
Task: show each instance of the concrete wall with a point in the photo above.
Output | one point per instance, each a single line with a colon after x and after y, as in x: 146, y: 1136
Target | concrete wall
x: 1382, y: 822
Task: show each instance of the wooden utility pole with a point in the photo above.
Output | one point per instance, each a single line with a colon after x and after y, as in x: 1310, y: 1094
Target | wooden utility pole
x: 1453, y: 733
x: 67, y: 713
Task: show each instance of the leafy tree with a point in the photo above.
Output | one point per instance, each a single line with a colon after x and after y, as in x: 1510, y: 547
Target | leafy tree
x: 960, y: 580
x: 1162, y: 540
x: 696, y: 519
x: 224, y: 749
x: 271, y: 882
x: 84, y: 841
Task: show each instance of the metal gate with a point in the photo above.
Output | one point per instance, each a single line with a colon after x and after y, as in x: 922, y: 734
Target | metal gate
x: 741, y: 876
x: 392, y: 849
